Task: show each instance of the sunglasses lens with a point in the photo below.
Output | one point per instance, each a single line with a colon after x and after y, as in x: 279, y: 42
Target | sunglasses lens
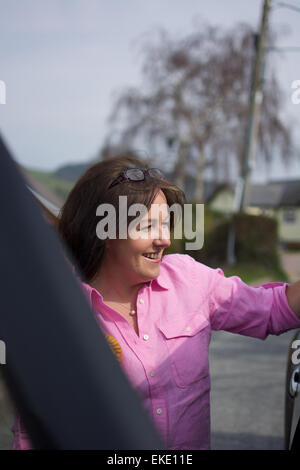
x: 156, y: 173
x: 135, y: 174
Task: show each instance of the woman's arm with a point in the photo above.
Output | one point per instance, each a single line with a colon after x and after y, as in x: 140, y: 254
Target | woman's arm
x: 254, y: 311
x: 293, y: 297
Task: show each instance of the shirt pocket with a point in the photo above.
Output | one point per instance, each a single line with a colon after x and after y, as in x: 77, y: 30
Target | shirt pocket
x: 187, y: 340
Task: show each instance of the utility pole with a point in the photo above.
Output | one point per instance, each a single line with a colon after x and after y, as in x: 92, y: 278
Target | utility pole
x: 254, y: 108
x: 255, y: 100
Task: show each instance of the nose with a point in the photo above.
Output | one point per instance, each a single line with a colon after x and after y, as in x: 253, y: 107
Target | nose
x: 163, y: 241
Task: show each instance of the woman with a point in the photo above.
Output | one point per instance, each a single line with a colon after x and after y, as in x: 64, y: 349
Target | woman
x: 158, y: 311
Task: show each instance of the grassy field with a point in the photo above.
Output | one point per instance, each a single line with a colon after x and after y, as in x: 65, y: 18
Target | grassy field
x: 60, y: 187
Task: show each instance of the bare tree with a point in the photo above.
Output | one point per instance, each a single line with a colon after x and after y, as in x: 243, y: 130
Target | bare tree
x: 194, y: 100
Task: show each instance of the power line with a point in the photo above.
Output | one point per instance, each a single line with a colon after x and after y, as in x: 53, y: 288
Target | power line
x: 288, y: 6
x: 283, y: 49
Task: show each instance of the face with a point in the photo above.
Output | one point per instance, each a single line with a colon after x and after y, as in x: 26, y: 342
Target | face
x: 132, y: 257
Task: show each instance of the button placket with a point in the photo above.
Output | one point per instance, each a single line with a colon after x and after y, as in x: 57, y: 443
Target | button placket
x: 141, y: 318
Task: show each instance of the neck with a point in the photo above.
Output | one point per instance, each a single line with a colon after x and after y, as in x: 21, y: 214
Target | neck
x: 112, y: 287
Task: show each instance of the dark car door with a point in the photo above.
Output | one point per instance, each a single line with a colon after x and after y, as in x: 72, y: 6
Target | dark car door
x: 66, y: 383
x: 292, y: 395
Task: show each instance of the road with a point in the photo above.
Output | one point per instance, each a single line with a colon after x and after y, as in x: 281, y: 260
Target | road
x: 247, y: 391
x: 248, y: 384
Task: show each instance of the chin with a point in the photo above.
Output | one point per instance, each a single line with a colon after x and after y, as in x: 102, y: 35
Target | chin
x: 149, y: 277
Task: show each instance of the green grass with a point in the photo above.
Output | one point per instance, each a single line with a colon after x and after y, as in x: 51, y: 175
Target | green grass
x: 60, y: 187
x: 250, y: 273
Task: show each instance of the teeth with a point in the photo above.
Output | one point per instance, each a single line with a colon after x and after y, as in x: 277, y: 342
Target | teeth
x: 151, y: 255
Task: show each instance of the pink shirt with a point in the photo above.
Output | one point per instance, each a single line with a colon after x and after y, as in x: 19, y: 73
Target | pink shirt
x: 167, y: 364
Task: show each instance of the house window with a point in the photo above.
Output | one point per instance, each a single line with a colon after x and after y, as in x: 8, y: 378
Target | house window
x: 289, y: 216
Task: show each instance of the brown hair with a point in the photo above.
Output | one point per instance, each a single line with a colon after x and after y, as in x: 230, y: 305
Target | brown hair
x: 77, y: 224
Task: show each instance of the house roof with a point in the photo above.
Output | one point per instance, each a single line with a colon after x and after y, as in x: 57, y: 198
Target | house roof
x: 291, y: 194
x: 266, y: 195
x: 276, y: 194
x: 273, y: 194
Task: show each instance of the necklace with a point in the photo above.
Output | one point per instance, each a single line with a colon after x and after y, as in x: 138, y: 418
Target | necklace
x: 132, y: 311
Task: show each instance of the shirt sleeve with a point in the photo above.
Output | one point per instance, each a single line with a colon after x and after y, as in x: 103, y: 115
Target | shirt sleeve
x: 235, y: 307
x: 252, y: 311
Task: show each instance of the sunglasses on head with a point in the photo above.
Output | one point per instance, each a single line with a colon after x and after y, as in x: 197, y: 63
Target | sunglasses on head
x: 137, y: 174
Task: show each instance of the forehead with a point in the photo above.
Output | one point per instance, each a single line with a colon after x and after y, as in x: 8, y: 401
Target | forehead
x: 160, y: 198
x: 158, y: 208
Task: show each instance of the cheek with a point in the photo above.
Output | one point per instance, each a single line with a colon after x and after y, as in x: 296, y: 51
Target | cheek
x: 127, y: 255
x: 138, y: 246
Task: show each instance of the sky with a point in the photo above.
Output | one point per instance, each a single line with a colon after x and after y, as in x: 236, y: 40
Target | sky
x: 63, y: 62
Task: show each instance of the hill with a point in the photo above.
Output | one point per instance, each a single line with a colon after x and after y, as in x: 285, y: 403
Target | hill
x: 71, y: 172
x: 58, y: 186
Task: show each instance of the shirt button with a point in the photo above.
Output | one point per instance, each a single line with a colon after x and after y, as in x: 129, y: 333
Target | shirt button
x: 188, y: 328
x: 141, y: 301
x: 152, y: 373
x: 146, y: 337
x: 159, y: 411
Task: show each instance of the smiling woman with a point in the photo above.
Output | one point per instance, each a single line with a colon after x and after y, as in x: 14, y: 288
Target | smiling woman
x: 157, y: 311
x: 95, y: 188
x: 108, y: 185
x: 138, y: 260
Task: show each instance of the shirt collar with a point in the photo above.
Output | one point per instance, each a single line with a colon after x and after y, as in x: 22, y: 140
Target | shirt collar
x: 161, y: 280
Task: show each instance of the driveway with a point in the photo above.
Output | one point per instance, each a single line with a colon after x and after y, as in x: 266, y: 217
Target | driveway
x: 247, y: 391
x: 291, y: 264
x: 248, y: 384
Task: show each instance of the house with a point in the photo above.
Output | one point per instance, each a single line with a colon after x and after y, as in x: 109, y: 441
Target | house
x: 280, y: 199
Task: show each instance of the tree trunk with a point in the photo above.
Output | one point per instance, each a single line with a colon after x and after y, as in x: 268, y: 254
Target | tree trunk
x: 199, y: 190
x: 179, y: 173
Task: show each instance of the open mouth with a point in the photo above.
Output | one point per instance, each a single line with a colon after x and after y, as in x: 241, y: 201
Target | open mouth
x: 152, y: 256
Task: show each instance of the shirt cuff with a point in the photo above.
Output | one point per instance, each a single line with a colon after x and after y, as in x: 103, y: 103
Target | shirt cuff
x: 288, y: 320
